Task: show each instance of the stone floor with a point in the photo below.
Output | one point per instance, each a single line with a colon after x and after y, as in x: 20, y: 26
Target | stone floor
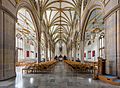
x: 60, y: 77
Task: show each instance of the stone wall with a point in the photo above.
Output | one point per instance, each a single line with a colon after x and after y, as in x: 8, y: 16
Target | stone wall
x: 111, y: 44
x: 7, y: 40
x: 118, y: 42
x: 112, y: 20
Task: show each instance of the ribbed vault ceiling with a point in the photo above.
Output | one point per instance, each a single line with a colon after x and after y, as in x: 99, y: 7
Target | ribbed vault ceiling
x: 60, y: 17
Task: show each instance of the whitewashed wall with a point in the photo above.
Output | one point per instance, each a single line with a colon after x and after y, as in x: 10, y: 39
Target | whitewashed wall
x: 93, y: 47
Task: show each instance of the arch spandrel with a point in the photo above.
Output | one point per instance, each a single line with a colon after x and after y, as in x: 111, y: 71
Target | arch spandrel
x: 26, y: 4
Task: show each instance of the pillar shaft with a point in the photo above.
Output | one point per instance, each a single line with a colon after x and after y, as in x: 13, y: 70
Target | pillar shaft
x: 82, y: 50
x: 7, y: 42
x: 39, y: 43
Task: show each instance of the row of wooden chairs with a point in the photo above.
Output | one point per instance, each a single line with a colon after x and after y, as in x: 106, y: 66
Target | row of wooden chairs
x: 24, y: 63
x: 39, y: 67
x: 78, y: 66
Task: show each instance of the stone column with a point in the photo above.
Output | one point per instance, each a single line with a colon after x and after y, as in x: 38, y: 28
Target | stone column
x: 39, y: 43
x: 7, y: 39
x: 68, y: 52
x: 82, y: 50
x: 118, y: 43
x: 53, y: 54
x: 75, y: 51
x: 71, y: 49
x: 46, y: 51
x: 39, y: 50
x: 71, y: 53
x: 50, y: 52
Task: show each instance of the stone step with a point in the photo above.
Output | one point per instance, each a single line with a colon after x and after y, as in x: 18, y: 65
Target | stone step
x: 110, y: 79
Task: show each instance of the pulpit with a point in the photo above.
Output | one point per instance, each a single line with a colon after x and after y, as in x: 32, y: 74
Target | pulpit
x: 101, y: 66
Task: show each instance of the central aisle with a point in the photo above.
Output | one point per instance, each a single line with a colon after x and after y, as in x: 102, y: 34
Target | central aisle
x: 60, y: 77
